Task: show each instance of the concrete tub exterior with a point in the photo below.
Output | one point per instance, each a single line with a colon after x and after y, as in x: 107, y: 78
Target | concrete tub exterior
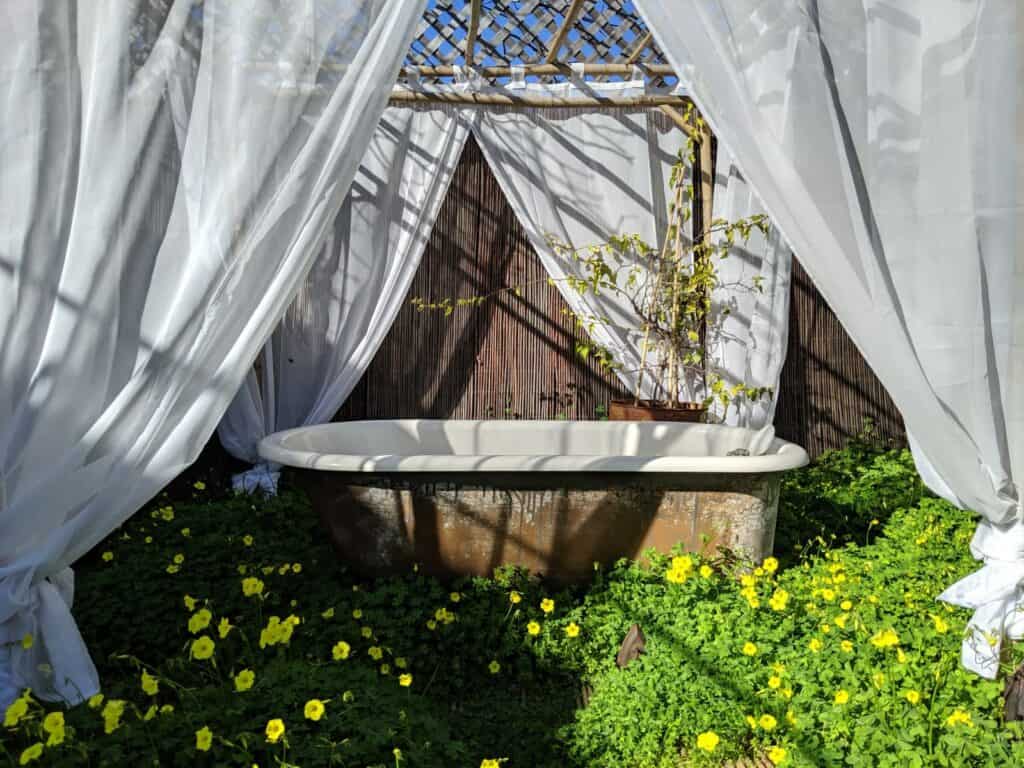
x: 459, y: 506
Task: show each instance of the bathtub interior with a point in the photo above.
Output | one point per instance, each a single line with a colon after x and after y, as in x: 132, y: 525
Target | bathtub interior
x: 413, y: 443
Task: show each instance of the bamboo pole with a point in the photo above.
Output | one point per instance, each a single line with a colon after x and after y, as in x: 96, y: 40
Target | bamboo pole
x: 640, y: 48
x: 554, y: 68
x: 678, y: 119
x: 474, y: 28
x: 707, y: 195
x: 535, y: 100
x: 567, y: 23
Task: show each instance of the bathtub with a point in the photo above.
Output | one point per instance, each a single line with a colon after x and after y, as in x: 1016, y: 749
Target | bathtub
x: 463, y: 497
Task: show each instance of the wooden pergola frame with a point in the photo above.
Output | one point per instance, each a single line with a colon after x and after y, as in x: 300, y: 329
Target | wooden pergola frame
x: 672, y: 105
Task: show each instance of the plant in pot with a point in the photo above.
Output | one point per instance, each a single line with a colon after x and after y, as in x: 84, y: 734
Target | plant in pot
x: 666, y: 290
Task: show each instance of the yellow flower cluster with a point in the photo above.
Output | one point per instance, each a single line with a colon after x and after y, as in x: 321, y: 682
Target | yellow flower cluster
x: 111, y: 714
x: 277, y: 631
x: 444, y: 616
x: 53, y: 724
x: 886, y: 638
x: 17, y: 710
x: 252, y: 587
x: 707, y: 741
x: 680, y: 570
x: 200, y: 620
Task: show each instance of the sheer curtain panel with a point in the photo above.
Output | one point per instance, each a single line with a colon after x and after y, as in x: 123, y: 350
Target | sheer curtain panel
x: 885, y: 141
x: 344, y: 309
x: 170, y: 170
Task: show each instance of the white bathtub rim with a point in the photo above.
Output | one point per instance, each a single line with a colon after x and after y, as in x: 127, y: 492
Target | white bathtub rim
x: 780, y: 457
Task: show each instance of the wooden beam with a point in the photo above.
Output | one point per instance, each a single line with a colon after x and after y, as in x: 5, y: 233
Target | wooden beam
x: 474, y: 29
x: 567, y: 24
x: 640, y: 48
x: 678, y: 119
x: 654, y: 70
x: 534, y: 100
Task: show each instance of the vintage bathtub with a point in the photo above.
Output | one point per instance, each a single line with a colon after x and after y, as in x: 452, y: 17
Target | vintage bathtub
x: 462, y: 497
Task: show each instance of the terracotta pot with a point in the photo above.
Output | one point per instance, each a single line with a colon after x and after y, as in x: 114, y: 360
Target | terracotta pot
x: 649, y: 410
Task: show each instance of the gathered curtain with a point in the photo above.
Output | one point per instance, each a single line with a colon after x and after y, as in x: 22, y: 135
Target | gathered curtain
x: 885, y: 141
x: 170, y: 170
x: 358, y: 283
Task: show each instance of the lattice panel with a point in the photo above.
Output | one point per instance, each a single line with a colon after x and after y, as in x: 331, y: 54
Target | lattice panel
x: 520, y: 31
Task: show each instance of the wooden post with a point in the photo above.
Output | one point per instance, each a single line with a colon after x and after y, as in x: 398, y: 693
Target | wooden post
x: 534, y: 100
x: 678, y: 119
x: 559, y: 38
x: 640, y: 48
x: 707, y: 194
x: 474, y: 28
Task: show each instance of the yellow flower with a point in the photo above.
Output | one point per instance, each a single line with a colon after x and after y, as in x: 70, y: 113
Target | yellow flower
x: 846, y: 646
x: 150, y: 713
x: 204, y: 739
x: 776, y: 755
x: 749, y: 649
x: 767, y: 722
x: 400, y: 662
x: 167, y: 513
x: 95, y: 702
x: 190, y: 603
x: 224, y: 627
x: 572, y: 629
x: 941, y: 627
x: 885, y: 638
x: 840, y: 620
x: 202, y: 648
x: 790, y: 717
x: 706, y: 572
x: 357, y: 614
x: 31, y: 753
x: 774, y: 681
x: 112, y: 712
x: 186, y: 532
x: 328, y: 614
x: 787, y: 693
x: 252, y: 586
x: 366, y: 632
x: 244, y: 680
x: 150, y: 685
x: 455, y: 597
x: 846, y: 605
x: 878, y: 679
x: 172, y: 568
x: 375, y: 652
x: 405, y: 680
x: 841, y: 697
x: 828, y: 595
x: 676, y: 577
x: 431, y: 625
x: 341, y: 650
x: 707, y: 741
x: 200, y: 620
x: 275, y: 730
x: 825, y: 627
x: 490, y: 762
x: 296, y: 567
x: 385, y: 669
x: 514, y: 597
x: 494, y: 667
x: 199, y: 485
x: 683, y: 563
x: 770, y: 565
x: 108, y: 556
x: 959, y: 717
x: 533, y: 628
x: 53, y: 724
x: 547, y: 605
x: 314, y: 710
x: 179, y: 559
x: 814, y: 645
x: 751, y: 722
x: 779, y: 600
x: 166, y: 709
x: 913, y: 696
x: 248, y: 540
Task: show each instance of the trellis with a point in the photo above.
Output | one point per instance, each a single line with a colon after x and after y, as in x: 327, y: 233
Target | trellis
x: 542, y: 39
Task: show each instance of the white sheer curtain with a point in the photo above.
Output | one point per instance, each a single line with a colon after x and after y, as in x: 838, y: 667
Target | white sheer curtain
x: 170, y: 170
x: 344, y: 309
x: 582, y: 175
x: 749, y: 320
x: 885, y: 141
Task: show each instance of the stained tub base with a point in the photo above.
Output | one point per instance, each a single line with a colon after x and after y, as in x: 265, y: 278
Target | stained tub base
x: 555, y: 524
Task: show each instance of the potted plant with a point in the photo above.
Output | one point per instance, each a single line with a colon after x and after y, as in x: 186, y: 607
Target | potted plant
x: 668, y: 289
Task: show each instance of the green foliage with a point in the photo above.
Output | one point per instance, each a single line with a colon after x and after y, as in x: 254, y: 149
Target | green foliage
x: 842, y: 659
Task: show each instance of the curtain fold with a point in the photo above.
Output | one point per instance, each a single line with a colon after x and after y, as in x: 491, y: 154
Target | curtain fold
x: 885, y: 143
x: 748, y: 323
x: 170, y: 171
x: 359, y: 281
